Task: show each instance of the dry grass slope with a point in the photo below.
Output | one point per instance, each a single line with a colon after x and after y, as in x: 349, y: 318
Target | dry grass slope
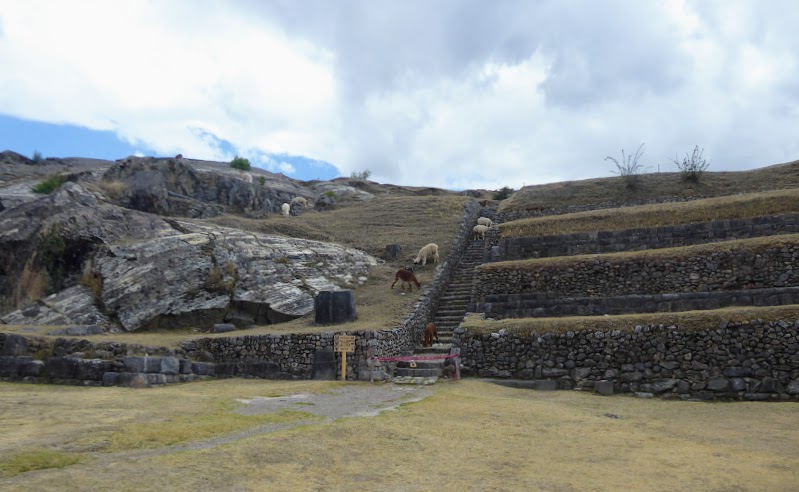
x: 652, y: 186
x: 658, y: 215
x: 467, y: 436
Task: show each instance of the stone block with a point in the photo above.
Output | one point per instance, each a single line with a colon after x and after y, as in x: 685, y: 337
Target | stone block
x: 393, y: 250
x: 156, y: 378
x: 737, y: 372
x: 738, y: 384
x: 31, y: 368
x: 226, y: 369
x: 152, y: 364
x: 15, y: 345
x: 200, y: 368
x: 223, y: 328
x: 185, y: 366
x: 545, y: 384
x: 266, y: 369
x: 324, y: 365
x: 604, y: 387
x: 133, y: 364
x: 718, y: 384
x: 170, y: 366
x: 133, y: 380
x: 61, y: 367
x: 9, y: 366
x: 333, y: 307
x: 111, y: 379
x: 793, y: 387
x: 92, y: 369
x: 659, y: 386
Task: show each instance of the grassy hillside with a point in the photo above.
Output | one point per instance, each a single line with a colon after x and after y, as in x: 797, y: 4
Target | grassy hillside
x: 651, y: 187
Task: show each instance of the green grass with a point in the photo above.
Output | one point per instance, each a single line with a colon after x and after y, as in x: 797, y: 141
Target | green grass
x: 664, y: 214
x: 686, y: 320
x: 36, y: 459
x: 49, y: 185
x: 652, y: 186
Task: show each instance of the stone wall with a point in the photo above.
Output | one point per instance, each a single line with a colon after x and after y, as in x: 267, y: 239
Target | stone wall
x: 741, y: 266
x: 542, y: 304
x: 277, y: 356
x: 748, y: 361
x: 518, y: 248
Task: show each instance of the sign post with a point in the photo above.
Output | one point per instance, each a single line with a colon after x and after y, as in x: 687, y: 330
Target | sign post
x: 344, y: 344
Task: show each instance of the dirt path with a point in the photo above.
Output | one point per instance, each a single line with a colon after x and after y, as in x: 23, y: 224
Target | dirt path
x: 356, y: 400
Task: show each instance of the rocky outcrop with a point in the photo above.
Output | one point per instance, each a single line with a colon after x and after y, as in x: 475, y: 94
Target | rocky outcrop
x: 141, y: 270
x: 175, y: 187
x: 339, y: 191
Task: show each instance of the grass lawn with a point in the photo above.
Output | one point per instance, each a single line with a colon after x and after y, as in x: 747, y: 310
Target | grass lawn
x: 469, y: 435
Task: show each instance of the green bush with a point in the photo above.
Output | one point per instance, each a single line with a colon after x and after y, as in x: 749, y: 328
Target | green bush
x: 330, y: 194
x: 49, y: 185
x: 503, y: 193
x: 262, y: 180
x: 240, y: 163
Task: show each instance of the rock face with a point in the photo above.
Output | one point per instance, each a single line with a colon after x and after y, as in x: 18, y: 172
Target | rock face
x: 176, y: 188
x: 109, y: 265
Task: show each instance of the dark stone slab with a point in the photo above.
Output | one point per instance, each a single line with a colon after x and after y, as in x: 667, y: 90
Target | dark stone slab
x: 92, y: 369
x: 333, y: 307
x: 111, y: 379
x: 9, y: 366
x: 266, y: 369
x: 324, y: 365
x: 604, y: 387
x: 223, y: 328
x: 61, y: 367
x: 185, y: 366
x: 200, y: 368
x: 133, y: 364
x: 393, y: 250
x: 14, y: 345
x: 31, y: 368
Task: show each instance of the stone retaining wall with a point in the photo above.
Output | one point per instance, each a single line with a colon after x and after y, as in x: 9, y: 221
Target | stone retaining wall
x: 519, y: 248
x: 750, y: 361
x: 741, y: 266
x: 537, y: 304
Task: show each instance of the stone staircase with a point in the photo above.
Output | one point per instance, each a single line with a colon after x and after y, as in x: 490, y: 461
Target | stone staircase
x: 449, y: 314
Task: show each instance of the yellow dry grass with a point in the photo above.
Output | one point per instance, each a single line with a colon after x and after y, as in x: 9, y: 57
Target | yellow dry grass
x: 749, y: 245
x: 686, y: 320
x: 664, y: 214
x: 651, y: 186
x: 475, y: 436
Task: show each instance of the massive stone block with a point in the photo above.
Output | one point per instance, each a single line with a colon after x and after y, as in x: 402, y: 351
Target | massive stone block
x: 334, y: 307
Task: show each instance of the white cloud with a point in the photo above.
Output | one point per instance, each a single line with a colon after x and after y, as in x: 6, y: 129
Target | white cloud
x: 454, y: 93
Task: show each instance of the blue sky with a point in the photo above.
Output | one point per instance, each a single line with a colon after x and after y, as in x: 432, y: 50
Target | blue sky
x: 51, y: 140
x: 453, y: 93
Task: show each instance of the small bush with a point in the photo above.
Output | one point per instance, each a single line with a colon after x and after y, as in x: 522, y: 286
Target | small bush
x: 330, y: 194
x: 49, y: 185
x: 37, y: 157
x: 262, y: 180
x: 361, y: 175
x: 240, y: 163
x: 692, y: 167
x: 503, y: 193
x: 629, y: 168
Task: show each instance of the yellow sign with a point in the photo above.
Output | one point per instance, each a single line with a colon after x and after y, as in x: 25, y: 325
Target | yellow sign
x: 344, y: 343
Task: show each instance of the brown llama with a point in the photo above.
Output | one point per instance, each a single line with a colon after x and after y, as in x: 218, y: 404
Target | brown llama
x: 429, y: 333
x: 407, y: 276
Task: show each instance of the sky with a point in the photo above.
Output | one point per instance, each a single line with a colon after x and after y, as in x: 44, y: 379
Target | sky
x: 456, y: 94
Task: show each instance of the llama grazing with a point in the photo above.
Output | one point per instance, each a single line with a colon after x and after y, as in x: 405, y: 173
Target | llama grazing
x: 247, y: 177
x: 407, y: 276
x: 429, y: 250
x: 285, y: 209
x: 429, y: 333
x: 298, y: 199
x: 480, y: 230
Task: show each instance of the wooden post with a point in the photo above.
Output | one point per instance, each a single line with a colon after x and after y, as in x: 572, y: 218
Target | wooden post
x: 344, y: 344
x: 457, y: 368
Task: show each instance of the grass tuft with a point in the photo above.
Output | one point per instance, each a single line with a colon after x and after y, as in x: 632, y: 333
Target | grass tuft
x: 36, y: 459
x: 49, y: 185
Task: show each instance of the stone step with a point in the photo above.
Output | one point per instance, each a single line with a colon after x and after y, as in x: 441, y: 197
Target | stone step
x: 414, y: 380
x: 416, y: 373
x: 421, y: 364
x: 436, y: 349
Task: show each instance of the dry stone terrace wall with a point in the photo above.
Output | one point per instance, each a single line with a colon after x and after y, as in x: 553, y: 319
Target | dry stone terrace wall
x: 742, y: 266
x: 518, y: 248
x: 750, y: 361
x: 538, y: 304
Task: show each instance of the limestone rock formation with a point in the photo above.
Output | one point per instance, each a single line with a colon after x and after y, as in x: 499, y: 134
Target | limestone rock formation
x: 109, y: 265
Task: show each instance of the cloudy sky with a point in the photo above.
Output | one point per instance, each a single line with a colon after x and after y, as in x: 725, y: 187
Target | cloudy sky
x: 448, y: 93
